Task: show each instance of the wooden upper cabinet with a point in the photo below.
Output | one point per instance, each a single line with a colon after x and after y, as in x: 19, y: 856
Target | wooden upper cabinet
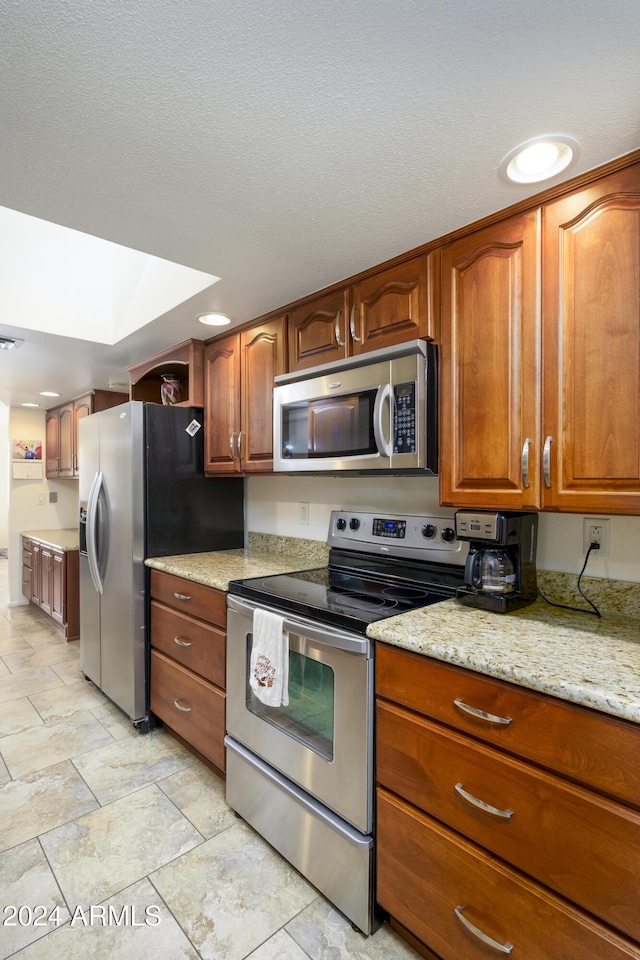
x: 263, y: 357
x: 390, y: 306
x: 489, y: 426
x: 318, y: 331
x: 238, y: 380
x: 591, y: 344
x: 52, y: 442
x: 395, y: 305
x: 67, y: 443
x: 222, y: 405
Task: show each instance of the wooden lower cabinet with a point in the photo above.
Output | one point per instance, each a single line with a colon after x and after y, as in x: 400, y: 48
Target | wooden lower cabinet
x: 467, y: 905
x: 188, y: 662
x: 50, y: 581
x: 474, y: 839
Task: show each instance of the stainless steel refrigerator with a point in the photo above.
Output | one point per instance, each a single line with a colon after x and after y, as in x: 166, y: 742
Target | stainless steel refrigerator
x: 143, y: 494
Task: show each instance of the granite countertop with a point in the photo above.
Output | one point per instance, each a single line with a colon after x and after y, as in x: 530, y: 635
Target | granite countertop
x: 594, y: 662
x: 60, y: 539
x: 574, y: 656
x: 263, y: 556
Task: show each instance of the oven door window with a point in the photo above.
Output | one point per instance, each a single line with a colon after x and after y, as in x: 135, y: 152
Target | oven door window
x: 309, y: 716
x: 333, y: 427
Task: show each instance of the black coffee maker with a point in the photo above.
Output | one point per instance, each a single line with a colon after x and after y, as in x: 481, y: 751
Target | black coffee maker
x: 500, y: 572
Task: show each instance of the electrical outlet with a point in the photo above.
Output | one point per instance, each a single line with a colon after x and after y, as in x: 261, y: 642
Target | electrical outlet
x: 596, y: 530
x: 303, y: 513
x: 40, y: 499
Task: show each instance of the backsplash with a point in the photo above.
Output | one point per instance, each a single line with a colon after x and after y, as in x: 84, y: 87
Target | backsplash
x: 613, y: 598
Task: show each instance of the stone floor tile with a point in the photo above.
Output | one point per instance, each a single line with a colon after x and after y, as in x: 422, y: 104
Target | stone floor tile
x: 323, y: 932
x: 66, y: 700
x: 200, y: 795
x: 128, y: 765
x: 41, y: 801
x: 27, y: 881
x: 121, y: 928
x: 232, y: 893
x: 105, y: 851
x: 43, y: 746
x: 17, y: 715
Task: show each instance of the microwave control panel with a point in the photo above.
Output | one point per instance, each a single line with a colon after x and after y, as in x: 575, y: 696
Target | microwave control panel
x: 404, y: 418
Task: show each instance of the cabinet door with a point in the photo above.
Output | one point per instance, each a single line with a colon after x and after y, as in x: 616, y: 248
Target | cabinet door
x: 490, y: 367
x: 263, y: 358
x: 222, y: 405
x: 66, y: 442
x: 35, y: 573
x: 46, y: 583
x: 591, y: 346
x: 52, y: 440
x: 82, y: 407
x: 318, y: 331
x: 57, y: 579
x: 394, y: 305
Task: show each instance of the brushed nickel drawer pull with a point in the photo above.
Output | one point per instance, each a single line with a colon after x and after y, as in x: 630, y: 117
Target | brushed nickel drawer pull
x: 181, y: 596
x: 481, y: 714
x: 181, y: 642
x: 490, y: 942
x: 177, y: 704
x: 481, y: 805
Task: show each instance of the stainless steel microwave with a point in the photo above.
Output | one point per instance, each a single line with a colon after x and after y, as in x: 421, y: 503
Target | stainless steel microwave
x: 372, y: 413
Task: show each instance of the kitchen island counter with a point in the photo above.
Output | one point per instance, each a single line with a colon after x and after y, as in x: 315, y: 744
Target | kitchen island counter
x: 64, y: 540
x: 590, y: 661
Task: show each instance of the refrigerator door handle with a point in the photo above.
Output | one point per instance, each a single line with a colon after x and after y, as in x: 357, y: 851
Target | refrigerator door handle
x: 92, y: 519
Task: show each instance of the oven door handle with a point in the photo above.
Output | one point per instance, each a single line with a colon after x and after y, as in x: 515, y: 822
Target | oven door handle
x: 308, y: 630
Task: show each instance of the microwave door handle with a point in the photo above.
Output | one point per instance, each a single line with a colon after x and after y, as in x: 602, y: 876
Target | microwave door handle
x: 384, y: 446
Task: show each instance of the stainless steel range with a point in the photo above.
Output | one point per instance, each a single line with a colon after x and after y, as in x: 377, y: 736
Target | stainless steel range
x: 300, y: 768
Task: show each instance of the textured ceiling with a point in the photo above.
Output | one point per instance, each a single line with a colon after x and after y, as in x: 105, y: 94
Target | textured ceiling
x: 285, y: 145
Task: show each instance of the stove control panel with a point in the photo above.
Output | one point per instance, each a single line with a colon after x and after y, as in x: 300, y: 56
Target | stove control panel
x: 425, y: 538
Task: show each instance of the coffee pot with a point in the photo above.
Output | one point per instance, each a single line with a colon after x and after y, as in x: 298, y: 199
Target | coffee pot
x: 500, y: 571
x: 490, y: 570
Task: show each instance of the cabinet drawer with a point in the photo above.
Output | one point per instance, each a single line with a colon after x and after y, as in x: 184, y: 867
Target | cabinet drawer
x: 192, y: 707
x: 194, y: 599
x: 585, y: 745
x: 194, y: 644
x: 425, y: 873
x: 580, y: 844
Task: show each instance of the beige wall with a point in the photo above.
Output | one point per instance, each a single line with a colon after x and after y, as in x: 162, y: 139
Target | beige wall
x: 24, y: 511
x: 273, y: 508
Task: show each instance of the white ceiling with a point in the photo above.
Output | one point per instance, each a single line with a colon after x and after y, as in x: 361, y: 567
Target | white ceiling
x: 283, y: 146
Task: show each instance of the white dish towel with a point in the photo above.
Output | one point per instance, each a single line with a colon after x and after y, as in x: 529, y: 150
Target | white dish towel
x: 269, y: 665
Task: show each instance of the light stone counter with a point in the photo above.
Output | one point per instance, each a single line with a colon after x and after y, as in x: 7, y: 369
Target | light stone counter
x: 263, y: 556
x: 59, y: 539
x: 577, y: 657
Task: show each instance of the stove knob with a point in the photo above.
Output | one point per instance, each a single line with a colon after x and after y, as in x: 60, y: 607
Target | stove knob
x: 354, y: 523
x: 428, y: 531
x: 341, y: 523
x: 448, y: 534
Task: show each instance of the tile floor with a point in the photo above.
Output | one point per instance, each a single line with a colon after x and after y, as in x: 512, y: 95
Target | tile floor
x: 118, y: 846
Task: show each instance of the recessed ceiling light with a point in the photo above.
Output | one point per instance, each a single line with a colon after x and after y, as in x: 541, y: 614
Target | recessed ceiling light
x: 6, y: 343
x: 29, y: 404
x: 48, y: 393
x: 539, y: 159
x: 214, y: 319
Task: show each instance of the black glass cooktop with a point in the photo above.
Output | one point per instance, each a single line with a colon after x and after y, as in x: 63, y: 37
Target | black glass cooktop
x: 352, y: 596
